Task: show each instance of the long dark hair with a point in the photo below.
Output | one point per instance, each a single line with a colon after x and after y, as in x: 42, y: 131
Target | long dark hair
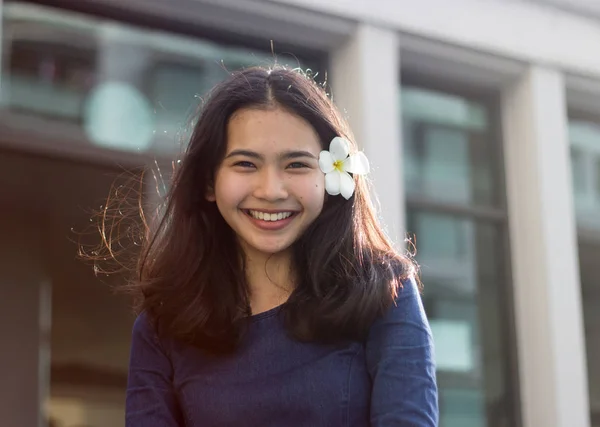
x: 190, y: 273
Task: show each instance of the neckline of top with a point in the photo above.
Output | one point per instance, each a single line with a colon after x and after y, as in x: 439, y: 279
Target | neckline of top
x: 265, y: 314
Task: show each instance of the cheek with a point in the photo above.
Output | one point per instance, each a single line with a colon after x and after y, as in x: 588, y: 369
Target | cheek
x: 314, y: 194
x: 228, y: 189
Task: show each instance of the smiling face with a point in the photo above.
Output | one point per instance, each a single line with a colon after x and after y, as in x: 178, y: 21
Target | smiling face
x: 269, y: 187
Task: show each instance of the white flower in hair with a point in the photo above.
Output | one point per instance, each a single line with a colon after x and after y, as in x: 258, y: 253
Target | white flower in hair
x: 337, y: 164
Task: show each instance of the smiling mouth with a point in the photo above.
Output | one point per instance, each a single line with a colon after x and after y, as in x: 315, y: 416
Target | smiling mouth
x: 270, y: 216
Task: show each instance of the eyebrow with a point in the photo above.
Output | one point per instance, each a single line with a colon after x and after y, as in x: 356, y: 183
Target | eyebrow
x: 284, y: 156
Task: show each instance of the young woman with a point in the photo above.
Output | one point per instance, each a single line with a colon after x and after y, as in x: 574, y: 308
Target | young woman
x: 268, y: 293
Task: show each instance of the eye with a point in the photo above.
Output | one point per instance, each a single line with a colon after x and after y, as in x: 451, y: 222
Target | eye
x: 297, y: 165
x: 244, y: 164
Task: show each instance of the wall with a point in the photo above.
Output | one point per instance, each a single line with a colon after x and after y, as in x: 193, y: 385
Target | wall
x: 524, y: 31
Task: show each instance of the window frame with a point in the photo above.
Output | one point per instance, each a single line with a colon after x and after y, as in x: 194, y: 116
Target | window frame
x: 490, y: 98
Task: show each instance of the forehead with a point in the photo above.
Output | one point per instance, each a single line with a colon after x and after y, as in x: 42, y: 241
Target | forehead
x: 270, y: 130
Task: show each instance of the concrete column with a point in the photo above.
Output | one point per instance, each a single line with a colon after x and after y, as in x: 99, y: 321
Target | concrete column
x: 24, y: 326
x: 550, y: 335
x: 365, y: 77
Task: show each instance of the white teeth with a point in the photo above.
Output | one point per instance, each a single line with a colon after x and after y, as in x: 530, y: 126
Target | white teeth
x: 270, y: 216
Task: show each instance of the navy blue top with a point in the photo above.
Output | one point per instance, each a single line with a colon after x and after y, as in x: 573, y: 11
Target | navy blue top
x: 273, y: 380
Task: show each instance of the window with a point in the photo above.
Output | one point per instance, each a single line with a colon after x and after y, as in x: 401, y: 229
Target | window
x: 584, y: 133
x: 448, y: 157
x: 49, y: 79
x: 455, y: 210
x: 126, y: 88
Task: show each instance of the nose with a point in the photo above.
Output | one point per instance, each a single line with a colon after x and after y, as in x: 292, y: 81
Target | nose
x: 270, y: 185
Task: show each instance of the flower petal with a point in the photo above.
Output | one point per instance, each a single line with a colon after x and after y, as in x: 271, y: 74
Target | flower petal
x: 326, y: 161
x: 357, y: 164
x: 332, y: 183
x: 339, y: 148
x: 346, y: 185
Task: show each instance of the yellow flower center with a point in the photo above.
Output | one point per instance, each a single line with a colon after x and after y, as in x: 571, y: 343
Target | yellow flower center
x: 338, y: 164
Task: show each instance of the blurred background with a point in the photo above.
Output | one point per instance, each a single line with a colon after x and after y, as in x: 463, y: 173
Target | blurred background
x: 482, y: 122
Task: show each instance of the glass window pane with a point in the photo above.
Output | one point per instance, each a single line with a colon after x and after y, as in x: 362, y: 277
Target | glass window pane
x: 426, y: 105
x: 128, y: 88
x: 585, y: 165
x: 49, y: 79
x: 448, y: 152
x: 462, y: 267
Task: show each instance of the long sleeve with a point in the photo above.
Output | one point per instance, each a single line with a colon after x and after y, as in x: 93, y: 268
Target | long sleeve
x: 400, y: 361
x: 151, y: 400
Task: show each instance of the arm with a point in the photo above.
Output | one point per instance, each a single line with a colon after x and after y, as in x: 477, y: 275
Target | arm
x: 401, y: 363
x: 151, y: 400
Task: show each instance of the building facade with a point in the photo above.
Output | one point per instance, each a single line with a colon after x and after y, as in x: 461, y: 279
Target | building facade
x: 482, y: 123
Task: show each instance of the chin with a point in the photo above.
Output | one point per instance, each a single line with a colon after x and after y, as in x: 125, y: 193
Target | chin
x: 269, y: 250
x: 272, y: 249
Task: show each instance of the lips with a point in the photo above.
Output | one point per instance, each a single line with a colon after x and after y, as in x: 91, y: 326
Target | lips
x: 270, y: 220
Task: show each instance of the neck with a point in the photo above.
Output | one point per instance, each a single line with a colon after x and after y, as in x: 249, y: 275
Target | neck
x: 270, y: 280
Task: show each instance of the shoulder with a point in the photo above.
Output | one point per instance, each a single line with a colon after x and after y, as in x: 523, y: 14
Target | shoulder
x: 143, y: 324
x: 144, y: 329
x: 404, y: 321
x: 408, y: 288
x: 406, y: 302
x: 146, y: 339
